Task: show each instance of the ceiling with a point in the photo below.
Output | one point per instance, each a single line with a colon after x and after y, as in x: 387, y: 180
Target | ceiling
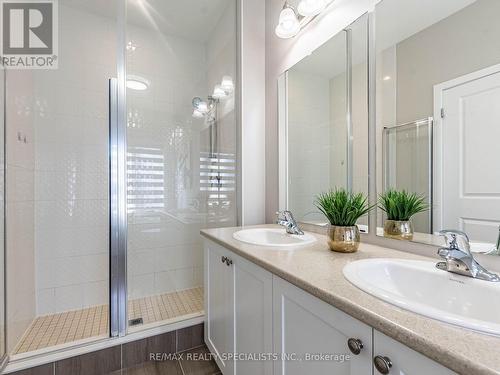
x: 190, y: 19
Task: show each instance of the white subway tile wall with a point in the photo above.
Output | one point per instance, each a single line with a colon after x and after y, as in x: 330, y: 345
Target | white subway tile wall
x: 70, y: 120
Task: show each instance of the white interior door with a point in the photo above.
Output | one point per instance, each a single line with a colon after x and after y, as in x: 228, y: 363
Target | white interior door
x: 470, y: 157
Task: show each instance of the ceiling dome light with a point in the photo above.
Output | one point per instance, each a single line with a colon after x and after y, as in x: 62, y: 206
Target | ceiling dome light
x: 219, y: 93
x: 137, y: 83
x: 309, y: 8
x: 227, y: 84
x: 288, y: 25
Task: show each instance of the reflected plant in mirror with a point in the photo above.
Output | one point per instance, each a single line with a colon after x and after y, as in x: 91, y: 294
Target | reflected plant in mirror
x: 343, y: 209
x: 400, y: 207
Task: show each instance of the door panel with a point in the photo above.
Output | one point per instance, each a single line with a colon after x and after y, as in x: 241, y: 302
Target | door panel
x: 253, y: 316
x: 306, y: 325
x: 471, y: 177
x: 219, y: 302
x: 405, y: 360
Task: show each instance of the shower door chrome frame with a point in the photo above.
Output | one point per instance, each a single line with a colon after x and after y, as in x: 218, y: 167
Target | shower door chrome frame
x: 4, y: 359
x: 118, y: 216
x: 118, y: 186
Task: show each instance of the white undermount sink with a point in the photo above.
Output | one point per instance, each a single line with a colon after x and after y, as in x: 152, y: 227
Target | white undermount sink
x: 420, y: 287
x: 274, y: 237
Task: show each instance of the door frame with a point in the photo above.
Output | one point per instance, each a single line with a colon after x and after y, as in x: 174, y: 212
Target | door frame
x: 439, y: 90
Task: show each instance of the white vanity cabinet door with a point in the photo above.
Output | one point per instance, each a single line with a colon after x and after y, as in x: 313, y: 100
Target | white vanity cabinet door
x: 238, y: 312
x: 404, y: 360
x: 304, y: 324
x: 219, y: 305
x: 253, y: 295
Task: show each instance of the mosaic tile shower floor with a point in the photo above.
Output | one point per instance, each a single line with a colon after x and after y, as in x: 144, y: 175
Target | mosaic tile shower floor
x: 93, y: 322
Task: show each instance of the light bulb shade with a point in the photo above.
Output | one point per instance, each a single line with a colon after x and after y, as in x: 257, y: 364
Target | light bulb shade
x: 288, y: 25
x: 219, y: 92
x: 309, y: 8
x: 197, y: 114
x: 227, y: 84
x: 202, y: 107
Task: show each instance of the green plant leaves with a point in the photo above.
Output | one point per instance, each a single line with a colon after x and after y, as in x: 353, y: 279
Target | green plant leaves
x: 401, y: 205
x: 342, y: 208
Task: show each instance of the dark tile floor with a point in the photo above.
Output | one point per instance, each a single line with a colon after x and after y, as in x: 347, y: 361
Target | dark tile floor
x: 191, y: 362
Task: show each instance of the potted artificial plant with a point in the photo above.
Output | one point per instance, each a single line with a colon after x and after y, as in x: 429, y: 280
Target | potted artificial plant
x: 343, y: 209
x: 400, y: 207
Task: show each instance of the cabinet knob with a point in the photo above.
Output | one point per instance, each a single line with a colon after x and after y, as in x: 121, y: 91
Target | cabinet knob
x: 228, y: 262
x: 355, y: 345
x: 224, y: 259
x: 382, y: 364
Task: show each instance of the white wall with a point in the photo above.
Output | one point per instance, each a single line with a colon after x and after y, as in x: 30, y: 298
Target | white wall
x: 71, y: 166
x: 20, y: 252
x: 309, y: 141
x: 254, y: 100
x: 281, y: 55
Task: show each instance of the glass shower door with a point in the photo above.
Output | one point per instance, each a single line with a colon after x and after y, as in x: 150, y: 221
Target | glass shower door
x: 181, y: 150
x: 57, y: 200
x: 3, y: 349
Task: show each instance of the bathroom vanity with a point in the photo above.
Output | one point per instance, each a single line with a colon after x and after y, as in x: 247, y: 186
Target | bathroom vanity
x: 291, y: 302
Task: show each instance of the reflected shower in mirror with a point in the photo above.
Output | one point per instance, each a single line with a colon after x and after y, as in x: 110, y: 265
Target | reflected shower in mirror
x: 324, y: 124
x: 438, y: 88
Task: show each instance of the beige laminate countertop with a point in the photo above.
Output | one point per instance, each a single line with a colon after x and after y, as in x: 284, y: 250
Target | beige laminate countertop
x: 318, y: 271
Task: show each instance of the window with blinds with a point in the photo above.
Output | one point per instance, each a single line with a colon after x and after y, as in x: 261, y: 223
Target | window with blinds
x: 145, y: 179
x: 218, y: 178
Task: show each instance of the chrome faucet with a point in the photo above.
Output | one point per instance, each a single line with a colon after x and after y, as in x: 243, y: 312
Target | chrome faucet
x: 459, y: 259
x: 497, y: 248
x: 285, y: 218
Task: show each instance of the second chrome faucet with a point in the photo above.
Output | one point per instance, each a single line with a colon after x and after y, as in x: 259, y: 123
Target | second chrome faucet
x: 459, y: 259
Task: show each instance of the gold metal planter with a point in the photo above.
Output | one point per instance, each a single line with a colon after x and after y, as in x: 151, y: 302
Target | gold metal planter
x: 343, y: 239
x: 399, y: 230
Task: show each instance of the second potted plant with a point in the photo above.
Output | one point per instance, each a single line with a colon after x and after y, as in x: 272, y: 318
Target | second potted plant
x: 400, y: 207
x: 343, y: 209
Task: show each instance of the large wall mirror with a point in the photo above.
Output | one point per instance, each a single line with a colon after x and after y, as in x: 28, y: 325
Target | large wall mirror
x: 438, y: 117
x: 323, y: 119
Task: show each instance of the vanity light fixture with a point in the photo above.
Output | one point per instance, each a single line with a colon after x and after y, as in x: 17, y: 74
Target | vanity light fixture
x: 202, y: 107
x: 227, y: 84
x: 225, y: 88
x: 311, y: 8
x: 288, y: 24
x: 292, y: 20
x: 219, y: 93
